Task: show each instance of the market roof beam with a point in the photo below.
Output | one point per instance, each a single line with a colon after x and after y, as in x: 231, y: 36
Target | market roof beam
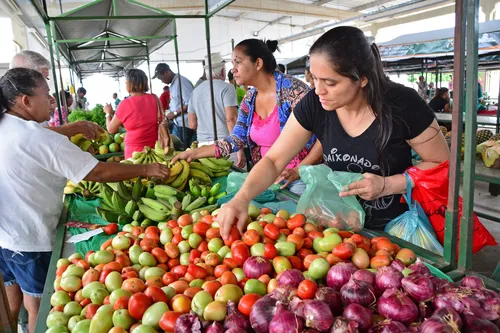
x: 371, y: 5
x: 110, y: 60
x: 78, y: 40
x: 125, y: 17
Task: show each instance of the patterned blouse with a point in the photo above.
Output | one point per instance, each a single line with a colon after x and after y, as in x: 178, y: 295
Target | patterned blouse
x: 289, y: 91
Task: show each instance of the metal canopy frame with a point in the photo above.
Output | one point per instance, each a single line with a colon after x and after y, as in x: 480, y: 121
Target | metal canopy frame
x: 60, y: 45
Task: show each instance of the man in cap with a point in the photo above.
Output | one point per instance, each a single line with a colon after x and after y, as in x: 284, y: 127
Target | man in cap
x: 36, y: 61
x: 177, y: 113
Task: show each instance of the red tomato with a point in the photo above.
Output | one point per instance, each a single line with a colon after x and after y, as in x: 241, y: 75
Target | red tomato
x: 185, y: 220
x: 167, y: 321
x: 270, y: 251
x: 111, y: 229
x: 220, y: 269
x: 307, y: 289
x: 211, y: 287
x: 314, y: 234
x: 138, y: 304
x: 213, y: 233
x: 309, y: 259
x: 201, y: 228
x: 303, y: 252
x: 250, y: 237
x: 246, y: 303
x: 193, y: 255
x: 160, y: 255
x: 234, y: 235
x: 180, y: 270
x: 172, y: 250
x: 203, y: 246
x: 121, y: 303
x: 191, y: 291
x: 168, y: 278
x: 172, y: 224
x: 298, y: 240
x: 230, y: 262
x: 134, y: 285
x: 196, y: 271
x: 344, y: 250
x: 240, y: 254
x: 177, y: 239
x: 285, y: 231
x: 228, y: 278
x: 296, y: 262
x: 271, y: 231
x: 295, y: 222
x: 279, y: 222
x: 237, y: 242
x: 91, y: 310
x: 148, y: 244
x: 156, y: 294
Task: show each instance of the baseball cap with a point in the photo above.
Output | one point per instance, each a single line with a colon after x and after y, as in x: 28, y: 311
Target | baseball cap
x: 160, y: 69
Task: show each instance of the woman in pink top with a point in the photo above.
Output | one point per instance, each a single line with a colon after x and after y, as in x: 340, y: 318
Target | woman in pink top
x: 138, y: 114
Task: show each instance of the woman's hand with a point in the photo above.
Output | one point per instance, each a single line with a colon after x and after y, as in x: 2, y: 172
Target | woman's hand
x: 234, y: 212
x: 108, y: 109
x: 370, y: 188
x: 242, y: 160
x: 157, y: 170
x: 187, y: 155
x: 290, y: 175
x: 89, y: 129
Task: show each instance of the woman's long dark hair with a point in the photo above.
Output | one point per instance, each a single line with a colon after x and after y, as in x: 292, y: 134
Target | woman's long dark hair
x: 256, y: 48
x: 17, y: 82
x: 353, y: 56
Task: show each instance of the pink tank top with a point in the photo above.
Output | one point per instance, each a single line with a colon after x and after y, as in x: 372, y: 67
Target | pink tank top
x: 265, y: 132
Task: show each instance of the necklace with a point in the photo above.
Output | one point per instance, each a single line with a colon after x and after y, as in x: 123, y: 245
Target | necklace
x: 360, y: 121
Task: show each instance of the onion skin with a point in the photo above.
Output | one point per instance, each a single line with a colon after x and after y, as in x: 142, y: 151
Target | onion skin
x: 448, y: 299
x: 285, y: 321
x: 290, y: 277
x: 360, y: 314
x: 297, y: 306
x: 284, y: 294
x: 318, y: 315
x: 472, y: 282
x: 397, y: 265
x: 339, y: 274
x: 366, y: 276
x: 419, y: 268
x: 188, y: 322
x: 450, y: 313
x: 387, y: 278
x: 256, y: 266
x: 215, y: 327
x: 262, y: 313
x: 474, y: 324
x: 331, y: 297
x: 235, y: 318
x: 236, y: 330
x: 441, y: 285
x: 419, y: 287
x: 358, y: 292
x: 344, y: 325
x: 395, y: 305
x: 435, y: 324
x: 388, y: 326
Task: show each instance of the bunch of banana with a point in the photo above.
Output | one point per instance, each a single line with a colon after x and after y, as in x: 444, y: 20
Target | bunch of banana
x: 89, y: 190
x: 211, y: 194
x: 179, y: 175
x: 83, y: 143
x: 152, y: 155
x: 218, y: 166
x: 121, y: 205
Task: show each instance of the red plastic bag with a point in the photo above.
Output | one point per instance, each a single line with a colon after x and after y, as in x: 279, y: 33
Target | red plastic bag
x: 431, y: 191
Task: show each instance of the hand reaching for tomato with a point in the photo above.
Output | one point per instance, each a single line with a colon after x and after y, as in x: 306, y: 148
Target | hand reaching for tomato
x: 235, y: 212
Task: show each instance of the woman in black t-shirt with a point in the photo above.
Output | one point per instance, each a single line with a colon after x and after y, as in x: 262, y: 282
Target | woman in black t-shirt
x: 440, y: 102
x: 365, y: 123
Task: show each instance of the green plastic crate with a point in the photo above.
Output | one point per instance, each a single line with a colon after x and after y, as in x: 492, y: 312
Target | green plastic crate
x: 437, y: 273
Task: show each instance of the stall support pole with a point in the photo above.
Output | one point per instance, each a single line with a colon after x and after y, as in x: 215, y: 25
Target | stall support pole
x: 451, y: 224
x: 149, y: 70
x: 184, y: 141
x: 58, y: 59
x: 467, y: 221
x: 211, y: 78
x: 497, y: 130
x: 54, y: 72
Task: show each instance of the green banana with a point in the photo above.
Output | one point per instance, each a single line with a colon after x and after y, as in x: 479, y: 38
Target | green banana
x: 215, y: 190
x: 152, y: 213
x: 137, y: 216
x: 136, y: 155
x: 122, y: 219
x: 75, y: 139
x: 146, y: 223
x: 85, y: 145
x: 222, y: 173
x: 153, y: 204
x: 150, y: 192
x: 131, y: 207
x: 106, y: 193
x: 211, y: 200
x: 209, y: 208
x: 204, y: 191
x: 123, y: 191
x: 221, y: 162
x: 166, y: 190
x: 186, y: 201
x: 137, y: 189
x: 140, y: 159
x: 196, y: 204
x: 182, y: 177
x: 107, y: 215
x: 166, y: 203
x: 211, y: 165
x: 118, y: 203
x: 198, y: 166
x: 220, y: 195
x: 203, y: 177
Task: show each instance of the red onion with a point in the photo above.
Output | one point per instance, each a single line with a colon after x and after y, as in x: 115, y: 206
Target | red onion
x: 419, y: 287
x: 474, y: 324
x: 472, y: 282
x: 360, y: 314
x: 339, y: 274
x: 236, y: 330
x: 215, y: 327
x: 491, y: 304
x: 284, y: 294
x: 262, y: 313
x: 188, y: 322
x: 235, y: 318
x: 471, y: 305
x: 448, y: 299
x: 254, y: 267
x: 441, y: 325
x: 366, y: 276
x: 497, y: 322
x: 419, y: 268
x: 310, y: 330
x: 290, y: 277
x: 358, y: 292
x: 387, y: 278
x: 450, y: 314
x: 297, y: 306
x: 331, y: 297
x: 414, y: 328
x: 395, y: 305
x: 424, y: 310
x: 285, y: 321
x: 388, y: 326
x: 318, y: 315
x: 344, y: 325
x: 397, y: 265
x: 487, y: 315
x: 441, y: 285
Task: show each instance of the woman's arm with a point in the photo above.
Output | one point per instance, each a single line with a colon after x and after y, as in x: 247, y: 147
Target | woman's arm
x: 114, y: 172
x: 112, y: 125
x: 192, y: 121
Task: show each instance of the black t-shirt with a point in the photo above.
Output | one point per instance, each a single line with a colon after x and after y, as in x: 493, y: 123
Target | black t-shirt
x: 437, y: 104
x: 411, y: 116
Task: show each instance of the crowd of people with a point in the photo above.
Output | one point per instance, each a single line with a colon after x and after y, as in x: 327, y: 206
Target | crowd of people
x: 350, y: 117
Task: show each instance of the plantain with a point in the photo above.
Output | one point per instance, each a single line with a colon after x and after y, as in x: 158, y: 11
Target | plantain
x: 215, y: 190
x: 85, y: 145
x: 106, y: 193
x: 196, y: 204
x: 123, y: 191
x: 152, y: 213
x: 186, y: 201
x: 153, y: 204
x: 107, y: 215
x: 176, y: 169
x: 211, y: 200
x: 220, y: 195
x: 222, y: 162
x: 137, y: 216
x: 123, y: 219
x: 222, y: 173
x: 165, y: 190
x: 150, y: 192
x: 166, y: 203
x: 182, y: 177
x: 211, y: 165
x: 209, y: 208
x: 130, y: 207
x: 137, y: 189
x: 203, y: 177
x: 198, y: 166
x: 75, y: 139
x: 140, y: 159
x: 118, y: 203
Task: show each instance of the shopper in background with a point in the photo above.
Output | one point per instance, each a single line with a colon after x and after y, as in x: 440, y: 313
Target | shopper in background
x: 81, y: 100
x: 165, y: 74
x: 35, y: 61
x: 165, y: 98
x: 226, y: 107
x: 309, y: 78
x: 263, y: 113
x: 35, y: 164
x: 139, y: 114
x: 203, y: 77
x: 240, y: 92
x: 422, y: 87
x: 366, y: 124
x: 116, y: 101
x: 65, y: 110
x: 441, y: 102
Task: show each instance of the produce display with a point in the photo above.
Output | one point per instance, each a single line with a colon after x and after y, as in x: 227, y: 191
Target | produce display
x: 105, y: 144
x: 95, y: 115
x: 283, y: 274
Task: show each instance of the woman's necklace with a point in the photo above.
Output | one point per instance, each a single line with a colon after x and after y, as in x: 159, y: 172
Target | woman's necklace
x: 360, y: 121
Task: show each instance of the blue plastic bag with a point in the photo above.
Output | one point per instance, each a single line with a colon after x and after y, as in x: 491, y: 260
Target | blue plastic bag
x: 413, y: 226
x: 321, y: 202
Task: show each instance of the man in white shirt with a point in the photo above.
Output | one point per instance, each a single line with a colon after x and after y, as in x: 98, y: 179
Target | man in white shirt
x: 177, y: 113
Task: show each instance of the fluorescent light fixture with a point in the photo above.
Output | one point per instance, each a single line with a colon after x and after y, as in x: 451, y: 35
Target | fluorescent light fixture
x: 37, y: 35
x: 425, y: 10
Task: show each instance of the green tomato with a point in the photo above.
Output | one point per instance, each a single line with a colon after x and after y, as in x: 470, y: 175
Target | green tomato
x: 329, y: 242
x: 238, y: 272
x: 223, y: 251
x: 215, y: 311
x: 103, y: 257
x: 184, y: 247
x: 101, y: 322
x: 73, y: 270
x: 82, y: 326
x: 254, y: 286
x: 63, y: 262
x: 89, y: 288
x: 98, y: 296
x: 200, y: 301
x: 147, y: 259
x: 229, y: 292
x: 194, y: 240
x: 117, y: 293
x: 257, y: 250
x: 319, y: 268
x: 113, y: 281
x: 162, y: 225
x: 128, y: 227
x: 253, y: 211
x: 215, y: 244
x: 74, y: 320
x: 169, y: 291
x: 57, y: 329
x: 75, y: 256
x: 154, y: 313
x: 134, y: 252
x: 281, y: 264
x: 285, y: 249
x: 144, y: 329
x: 196, y: 283
x: 153, y: 271
x: 72, y: 308
x: 60, y: 297
x: 186, y: 231
x: 122, y: 318
x: 281, y: 238
x: 71, y: 283
x: 57, y: 319
x: 257, y: 227
x: 184, y: 258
